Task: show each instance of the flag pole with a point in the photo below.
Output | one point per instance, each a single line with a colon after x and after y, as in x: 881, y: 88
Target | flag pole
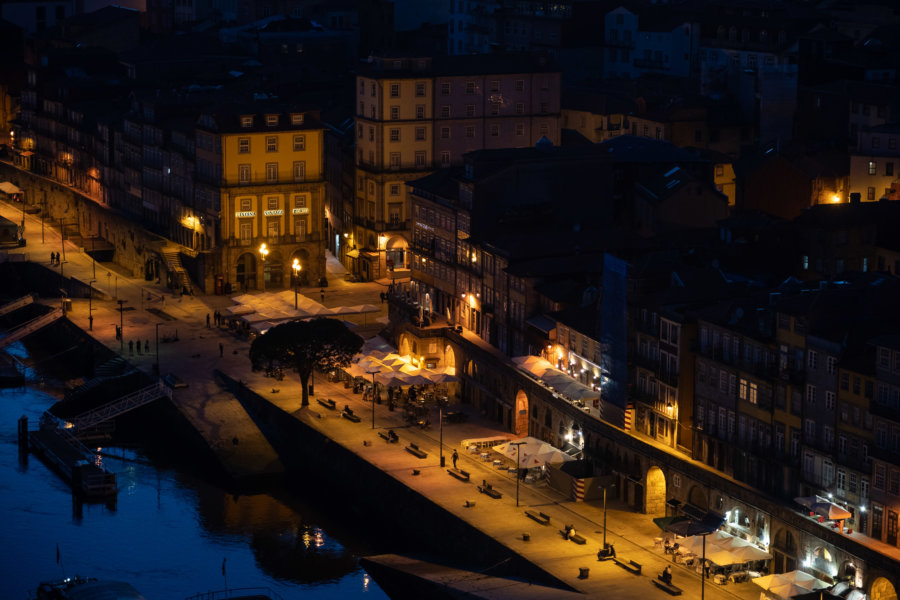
x: 224, y: 576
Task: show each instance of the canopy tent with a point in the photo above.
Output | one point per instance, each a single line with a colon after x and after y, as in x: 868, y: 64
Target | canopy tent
x: 664, y: 522
x: 823, y: 507
x: 391, y: 379
x: 9, y: 188
x: 532, y: 364
x: 355, y: 370
x: 790, y: 584
x: 532, y: 452
x: 749, y: 553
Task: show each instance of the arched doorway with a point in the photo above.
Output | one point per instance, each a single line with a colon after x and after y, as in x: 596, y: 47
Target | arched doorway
x: 404, y: 348
x: 273, y: 271
x: 245, y: 271
x: 784, y: 551
x: 449, y: 360
x: 882, y: 589
x: 395, y: 253
x: 655, y: 492
x: 697, y: 497
x: 521, y: 416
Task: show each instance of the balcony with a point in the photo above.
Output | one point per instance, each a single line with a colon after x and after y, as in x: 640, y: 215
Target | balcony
x: 381, y: 226
x: 275, y: 240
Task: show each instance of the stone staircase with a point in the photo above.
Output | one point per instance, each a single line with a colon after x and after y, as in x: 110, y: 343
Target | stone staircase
x: 172, y: 257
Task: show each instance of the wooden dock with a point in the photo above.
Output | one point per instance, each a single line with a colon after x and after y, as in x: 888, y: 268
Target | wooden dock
x: 72, y: 460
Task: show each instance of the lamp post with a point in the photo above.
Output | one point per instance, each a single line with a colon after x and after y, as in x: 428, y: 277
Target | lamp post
x: 372, y: 373
x: 91, y: 304
x: 263, y: 252
x: 296, y: 267
x: 122, y: 324
x: 441, y: 442
x: 157, y: 366
x: 518, y: 455
x: 93, y: 260
x: 62, y: 238
x: 609, y: 483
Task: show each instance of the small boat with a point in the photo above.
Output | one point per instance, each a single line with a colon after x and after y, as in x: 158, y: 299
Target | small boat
x: 86, y: 588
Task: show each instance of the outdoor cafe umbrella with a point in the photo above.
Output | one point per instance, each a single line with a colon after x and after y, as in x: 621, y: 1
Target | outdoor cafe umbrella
x: 749, y: 553
x: 829, y: 510
x: 708, y: 524
x: 790, y: 584
x: 664, y: 522
x: 391, y: 379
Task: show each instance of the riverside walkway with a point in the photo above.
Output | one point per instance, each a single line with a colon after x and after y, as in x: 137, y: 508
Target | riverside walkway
x: 222, y: 421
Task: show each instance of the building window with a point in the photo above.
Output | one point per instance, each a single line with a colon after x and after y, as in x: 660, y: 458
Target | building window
x: 299, y: 200
x: 876, y: 142
x: 543, y: 129
x: 297, y: 118
x: 371, y: 134
x: 830, y: 363
x: 873, y: 167
x: 470, y: 88
x: 395, y: 160
x: 243, y: 145
x: 271, y: 202
x: 300, y: 170
x: 271, y: 172
x: 889, y: 169
x: 520, y: 129
x: 247, y: 121
x: 545, y: 108
x: 420, y: 134
x: 470, y: 110
x: 395, y: 135
x: 520, y: 108
x: 243, y: 173
x: 271, y: 143
x: 520, y: 85
x: 445, y: 158
x: 470, y: 131
x: 495, y: 130
x: 870, y: 193
x: 445, y: 89
x: 420, y: 111
x: 395, y: 113
x: 271, y: 120
x: 445, y: 111
x: 829, y: 400
x: 495, y: 85
x: 420, y: 89
x: 811, y: 358
x: 395, y: 90
x: 395, y: 189
x: 445, y: 133
x: 301, y: 228
x: 299, y: 143
x: 420, y: 160
x: 372, y: 89
x: 810, y: 394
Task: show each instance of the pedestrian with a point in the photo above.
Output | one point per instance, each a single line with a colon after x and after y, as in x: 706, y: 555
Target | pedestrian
x: 52, y: 258
x: 381, y: 295
x: 147, y: 346
x: 221, y: 350
x: 90, y: 322
x: 139, y: 347
x: 131, y: 346
x: 323, y: 295
x: 217, y: 318
x: 667, y: 574
x: 207, y: 320
x: 455, y: 457
x: 706, y: 567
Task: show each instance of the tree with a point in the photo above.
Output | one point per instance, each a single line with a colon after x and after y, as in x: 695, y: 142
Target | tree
x: 322, y: 343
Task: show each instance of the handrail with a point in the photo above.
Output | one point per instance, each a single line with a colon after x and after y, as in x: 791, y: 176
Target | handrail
x: 121, y: 406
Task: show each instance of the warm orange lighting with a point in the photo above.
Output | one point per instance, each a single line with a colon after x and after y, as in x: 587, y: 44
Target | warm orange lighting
x: 835, y: 198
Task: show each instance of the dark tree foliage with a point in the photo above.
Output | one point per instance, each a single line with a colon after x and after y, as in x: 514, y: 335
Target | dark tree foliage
x: 323, y: 344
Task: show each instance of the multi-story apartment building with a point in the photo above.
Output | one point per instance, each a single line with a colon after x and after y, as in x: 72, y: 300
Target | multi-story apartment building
x: 885, y: 484
x: 268, y: 161
x: 666, y: 46
x: 418, y: 114
x: 856, y: 392
x: 875, y: 164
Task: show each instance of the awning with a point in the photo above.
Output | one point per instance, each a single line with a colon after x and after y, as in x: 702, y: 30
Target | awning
x: 542, y: 323
x: 353, y: 253
x: 8, y: 188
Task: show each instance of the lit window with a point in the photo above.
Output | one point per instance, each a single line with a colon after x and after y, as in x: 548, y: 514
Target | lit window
x: 271, y: 120
x: 243, y: 145
x: 271, y: 143
x: 247, y: 121
x: 300, y: 143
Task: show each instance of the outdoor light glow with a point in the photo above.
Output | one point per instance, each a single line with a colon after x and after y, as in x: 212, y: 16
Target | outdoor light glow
x: 835, y: 198
x: 346, y: 235
x: 862, y: 509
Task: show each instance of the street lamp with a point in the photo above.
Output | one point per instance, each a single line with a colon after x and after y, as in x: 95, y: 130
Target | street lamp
x: 122, y: 324
x: 296, y: 267
x: 610, y: 483
x: 264, y: 252
x: 518, y: 454
x: 93, y: 260
x: 158, y: 370
x: 372, y: 373
x: 91, y: 304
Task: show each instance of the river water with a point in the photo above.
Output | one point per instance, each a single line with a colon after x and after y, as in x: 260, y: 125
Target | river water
x: 169, y: 534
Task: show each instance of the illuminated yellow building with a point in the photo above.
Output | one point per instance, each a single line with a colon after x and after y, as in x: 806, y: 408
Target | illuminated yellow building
x: 271, y: 195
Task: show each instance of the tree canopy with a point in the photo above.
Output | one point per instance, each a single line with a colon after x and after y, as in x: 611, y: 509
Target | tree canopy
x: 322, y: 343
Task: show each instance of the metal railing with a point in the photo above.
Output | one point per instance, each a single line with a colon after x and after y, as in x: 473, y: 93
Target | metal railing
x: 120, y: 406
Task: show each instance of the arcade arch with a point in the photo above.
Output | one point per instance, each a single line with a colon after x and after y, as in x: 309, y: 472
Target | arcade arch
x: 655, y: 492
x: 245, y: 271
x: 882, y: 589
x: 450, y: 359
x: 521, y: 416
x: 697, y: 497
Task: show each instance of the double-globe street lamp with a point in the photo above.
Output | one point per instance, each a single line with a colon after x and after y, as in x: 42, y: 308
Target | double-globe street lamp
x: 372, y: 373
x: 263, y: 252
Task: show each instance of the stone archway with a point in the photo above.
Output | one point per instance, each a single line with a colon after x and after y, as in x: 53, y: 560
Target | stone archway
x: 472, y: 369
x: 404, y: 348
x: 304, y: 275
x: 521, y: 416
x: 697, y: 497
x: 784, y: 551
x: 245, y: 271
x: 273, y: 271
x: 655, y: 492
x: 395, y: 253
x: 449, y: 359
x: 882, y: 589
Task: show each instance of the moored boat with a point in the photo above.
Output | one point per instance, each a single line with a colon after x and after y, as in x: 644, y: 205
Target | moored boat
x: 86, y: 588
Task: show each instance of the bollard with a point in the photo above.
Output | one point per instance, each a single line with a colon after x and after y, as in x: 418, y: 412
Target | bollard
x: 526, y: 537
x: 583, y: 572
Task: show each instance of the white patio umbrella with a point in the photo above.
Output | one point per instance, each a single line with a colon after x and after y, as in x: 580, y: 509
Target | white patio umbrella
x: 792, y: 583
x: 370, y: 363
x: 721, y: 557
x: 442, y: 377
x: 829, y: 510
x: 749, y: 553
x: 391, y: 379
x: 355, y: 370
x: 414, y: 379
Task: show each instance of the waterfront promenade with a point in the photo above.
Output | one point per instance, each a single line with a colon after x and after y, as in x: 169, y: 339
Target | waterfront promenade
x: 222, y: 421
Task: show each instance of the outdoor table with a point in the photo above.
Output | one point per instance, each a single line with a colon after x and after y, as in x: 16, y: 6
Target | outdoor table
x: 473, y: 449
x: 529, y: 479
x: 498, y: 463
x: 658, y: 542
x: 485, y: 455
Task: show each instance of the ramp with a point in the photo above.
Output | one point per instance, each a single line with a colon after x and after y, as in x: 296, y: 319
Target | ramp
x: 16, y: 304
x: 30, y: 327
x: 120, y: 406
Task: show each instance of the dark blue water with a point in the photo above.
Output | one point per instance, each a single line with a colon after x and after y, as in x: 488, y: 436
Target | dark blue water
x: 168, y: 532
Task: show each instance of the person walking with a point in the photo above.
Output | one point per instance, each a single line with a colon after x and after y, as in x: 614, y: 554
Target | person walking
x: 322, y: 293
x: 207, y: 320
x: 146, y: 346
x: 454, y: 457
x: 130, y: 346
x: 221, y: 350
x: 52, y: 258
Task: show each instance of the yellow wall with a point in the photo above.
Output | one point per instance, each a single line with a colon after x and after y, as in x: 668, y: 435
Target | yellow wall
x: 285, y: 157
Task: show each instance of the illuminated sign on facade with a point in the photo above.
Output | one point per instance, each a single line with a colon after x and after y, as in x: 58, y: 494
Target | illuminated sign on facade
x: 247, y: 213
x: 273, y: 213
x: 300, y: 211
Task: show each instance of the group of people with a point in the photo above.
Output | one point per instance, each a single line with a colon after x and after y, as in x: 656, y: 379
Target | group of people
x: 54, y: 258
x: 132, y: 344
